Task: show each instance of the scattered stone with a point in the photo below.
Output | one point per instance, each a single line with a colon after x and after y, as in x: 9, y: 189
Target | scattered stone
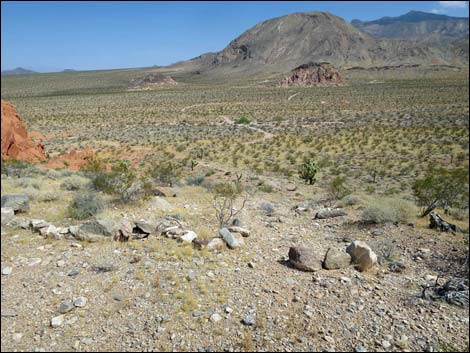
x: 73, y: 272
x: 57, y: 321
x: 403, y: 342
x: 7, y: 214
x: 244, y: 232
x: 361, y: 255
x: 7, y: 271
x: 17, y: 336
x: 229, y: 238
x: 17, y: 202
x: 35, y: 261
x: 228, y: 310
x: 118, y: 297
x: 267, y: 207
x: 291, y: 187
x: 215, y: 317
x: 305, y: 259
x: 336, y: 259
x: 386, y: 344
x: 197, y: 313
x: 191, y: 275
x: 327, y: 213
x: 65, y: 307
x: 60, y: 263
x: 249, y: 320
x: 80, y: 302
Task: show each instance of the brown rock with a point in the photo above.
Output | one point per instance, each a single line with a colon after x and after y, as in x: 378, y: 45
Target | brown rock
x: 336, y: 259
x: 74, y: 160
x: 305, y: 259
x: 16, y: 143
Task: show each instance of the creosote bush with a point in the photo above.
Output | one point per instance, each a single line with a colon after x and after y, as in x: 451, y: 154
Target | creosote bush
x: 388, y: 209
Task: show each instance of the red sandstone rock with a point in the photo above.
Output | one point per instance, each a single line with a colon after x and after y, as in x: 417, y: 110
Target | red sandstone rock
x: 16, y: 143
x: 74, y: 160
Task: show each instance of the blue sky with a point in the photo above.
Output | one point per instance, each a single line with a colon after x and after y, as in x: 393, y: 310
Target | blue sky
x: 52, y: 36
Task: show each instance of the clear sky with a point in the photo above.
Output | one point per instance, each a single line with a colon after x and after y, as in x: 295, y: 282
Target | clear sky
x: 52, y: 36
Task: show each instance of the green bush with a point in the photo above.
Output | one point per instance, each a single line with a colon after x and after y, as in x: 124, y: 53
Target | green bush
x: 337, y: 188
x: 85, y: 205
x: 243, y: 120
x: 74, y: 183
x: 165, y: 172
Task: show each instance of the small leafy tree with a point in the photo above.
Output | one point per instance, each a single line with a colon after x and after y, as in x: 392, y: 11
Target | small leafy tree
x: 225, y: 196
x: 308, y: 171
x: 442, y: 187
x: 166, y: 172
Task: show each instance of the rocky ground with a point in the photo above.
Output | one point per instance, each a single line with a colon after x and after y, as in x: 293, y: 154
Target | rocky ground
x: 158, y: 294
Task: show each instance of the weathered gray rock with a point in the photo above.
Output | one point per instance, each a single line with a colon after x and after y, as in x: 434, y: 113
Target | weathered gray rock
x: 336, y: 259
x: 38, y: 224
x: 95, y: 230
x: 327, y: 213
x: 7, y: 215
x: 7, y: 271
x: 244, y: 232
x: 18, y: 202
x: 249, y: 320
x: 19, y: 222
x: 305, y: 259
x: 361, y: 255
x: 144, y: 228
x: 229, y: 238
x: 65, y: 307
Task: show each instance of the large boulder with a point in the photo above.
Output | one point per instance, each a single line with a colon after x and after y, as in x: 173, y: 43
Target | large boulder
x: 305, y: 259
x: 336, y: 259
x: 18, y: 202
x: 94, y: 230
x: 361, y: 255
x: 16, y: 143
x: 327, y: 213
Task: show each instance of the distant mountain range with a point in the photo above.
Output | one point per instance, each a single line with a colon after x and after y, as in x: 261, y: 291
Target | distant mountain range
x: 419, y: 27
x: 18, y: 71
x: 281, y: 44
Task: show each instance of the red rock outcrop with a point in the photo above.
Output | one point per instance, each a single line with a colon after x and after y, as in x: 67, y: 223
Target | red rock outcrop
x: 313, y: 74
x: 16, y: 143
x: 74, y: 160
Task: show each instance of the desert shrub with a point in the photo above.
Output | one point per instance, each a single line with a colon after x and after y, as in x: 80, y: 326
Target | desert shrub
x: 242, y: 120
x: 351, y: 200
x: 388, y: 209
x: 263, y: 187
x: 74, y: 183
x: 85, y: 205
x: 308, y: 170
x: 337, y: 188
x: 20, y: 169
x: 165, y: 172
x: 54, y: 174
x: 224, y: 200
x: 47, y: 196
x: 442, y: 187
x: 195, y: 180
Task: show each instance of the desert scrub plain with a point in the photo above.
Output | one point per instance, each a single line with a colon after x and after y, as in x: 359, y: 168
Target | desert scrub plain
x: 371, y: 139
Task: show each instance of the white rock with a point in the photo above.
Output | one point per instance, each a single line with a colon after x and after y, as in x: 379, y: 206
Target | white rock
x: 188, y: 237
x: 215, y: 317
x: 6, y: 271
x: 57, y: 321
x: 80, y: 302
x: 361, y: 255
